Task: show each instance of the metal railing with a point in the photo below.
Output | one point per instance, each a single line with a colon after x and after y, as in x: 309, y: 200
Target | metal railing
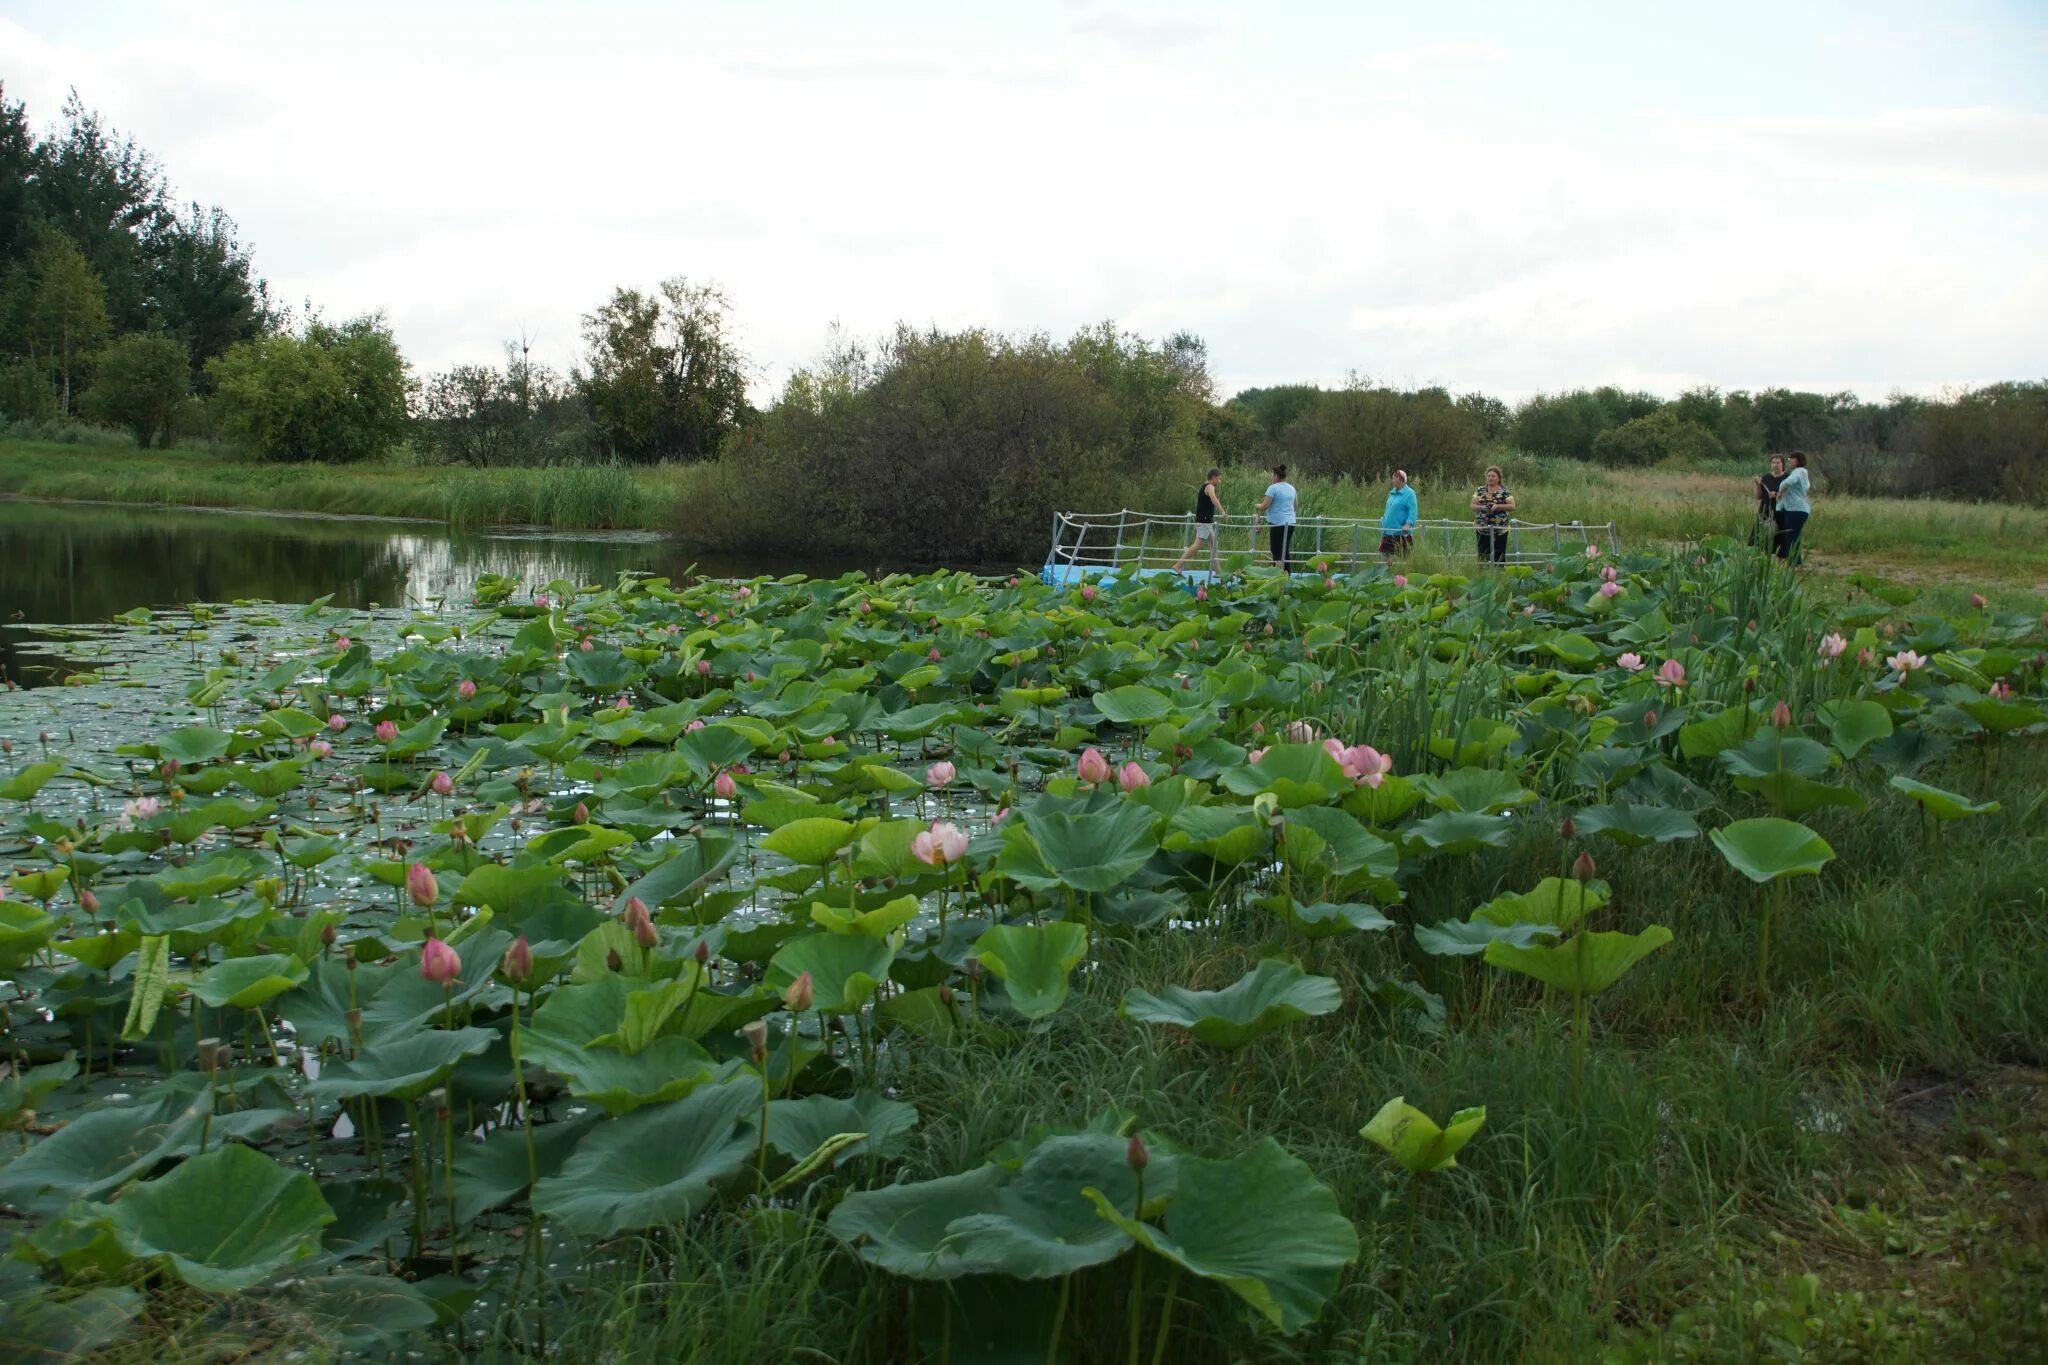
x: 1128, y: 541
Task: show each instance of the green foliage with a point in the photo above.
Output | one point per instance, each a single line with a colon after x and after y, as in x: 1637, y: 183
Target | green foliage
x: 332, y: 393
x: 1364, y: 432
x: 524, y: 414
x: 1653, y: 439
x: 1567, y: 424
x: 138, y: 383
x: 665, y: 377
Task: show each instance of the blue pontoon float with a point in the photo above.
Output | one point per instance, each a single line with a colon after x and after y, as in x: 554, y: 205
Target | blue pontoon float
x: 1101, y: 545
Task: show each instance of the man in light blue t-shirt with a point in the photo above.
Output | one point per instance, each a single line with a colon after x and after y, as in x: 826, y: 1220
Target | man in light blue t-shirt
x: 1398, y: 521
x: 1278, y: 509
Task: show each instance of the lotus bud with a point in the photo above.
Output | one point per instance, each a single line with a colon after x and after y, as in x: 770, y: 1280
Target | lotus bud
x: 703, y: 952
x: 640, y: 923
x: 88, y: 902
x: 327, y: 936
x: 612, y: 961
x: 582, y: 813
x: 518, y: 963
x: 320, y: 748
x: 2000, y: 690
x: 1583, y: 868
x: 1568, y: 831
x: 1088, y: 593
x: 800, y: 993
x: 1977, y: 600
x: 703, y: 668
x: 1400, y: 580
x: 441, y: 784
x: 465, y: 690
x: 940, y: 775
x: 1781, y: 716
x: 387, y: 732
x: 972, y: 966
x: 439, y: 963
x: 1131, y: 777
x: 1649, y: 720
x: 420, y: 885
x: 945, y: 995
x: 932, y: 656
x: 1136, y: 1156
x: 1093, y: 767
x: 756, y: 1031
x: 169, y: 769
x: 724, y: 785
x: 342, y: 642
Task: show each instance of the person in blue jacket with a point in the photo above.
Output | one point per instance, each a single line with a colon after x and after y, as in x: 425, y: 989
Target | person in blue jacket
x: 1794, y: 498
x: 1397, y: 523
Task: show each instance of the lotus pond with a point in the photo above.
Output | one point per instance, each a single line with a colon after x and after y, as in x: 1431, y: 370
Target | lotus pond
x: 953, y: 968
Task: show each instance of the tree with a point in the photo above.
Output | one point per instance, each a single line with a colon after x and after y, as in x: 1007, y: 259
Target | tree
x: 524, y: 414
x: 65, y: 311
x: 203, y: 288
x: 1659, y: 436
x: 107, y: 196
x: 17, y: 164
x: 1365, y: 432
x: 665, y: 375
x: 1567, y: 424
x: 336, y: 392
x: 1494, y: 417
x: 139, y: 382
x: 1276, y: 409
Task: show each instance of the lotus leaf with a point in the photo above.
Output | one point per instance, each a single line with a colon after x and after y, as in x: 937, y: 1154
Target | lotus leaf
x: 1272, y: 994
x: 225, y: 1220
x: 1096, y: 852
x: 1942, y: 805
x: 249, y: 982
x: 1412, y: 1137
x: 1764, y: 850
x: 1585, y: 964
x: 1635, y: 825
x: 402, y: 1066
x: 653, y: 1167
x: 798, y: 1128
x: 812, y: 841
x: 844, y: 968
x: 1032, y: 961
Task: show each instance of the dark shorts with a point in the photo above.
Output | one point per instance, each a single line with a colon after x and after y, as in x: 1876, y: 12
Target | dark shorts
x: 1396, y: 544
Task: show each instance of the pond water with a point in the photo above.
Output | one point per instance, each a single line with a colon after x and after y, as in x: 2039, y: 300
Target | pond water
x: 65, y: 564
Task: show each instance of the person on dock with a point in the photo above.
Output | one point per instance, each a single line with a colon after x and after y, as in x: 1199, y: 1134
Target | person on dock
x: 1492, y: 504
x: 1398, y: 521
x: 1208, y: 506
x: 1765, y: 531
x: 1794, y: 499
x: 1278, y: 509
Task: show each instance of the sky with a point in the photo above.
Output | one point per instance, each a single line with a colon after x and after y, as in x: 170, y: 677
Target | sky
x: 1506, y: 197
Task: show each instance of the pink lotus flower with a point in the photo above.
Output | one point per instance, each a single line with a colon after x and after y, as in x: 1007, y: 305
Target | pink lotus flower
x: 1610, y: 589
x: 940, y: 775
x: 1400, y: 580
x: 518, y: 963
x: 1087, y: 592
x: 2001, y: 690
x: 1529, y: 610
x: 1002, y: 814
x: 1672, y: 674
x: 1905, y: 661
x: 1781, y: 717
x: 465, y: 690
x: 586, y: 646
x: 703, y: 668
x: 1610, y: 573
x: 1131, y: 777
x: 1364, y: 764
x: 320, y: 748
x: 1093, y: 767
x: 419, y: 884
x: 866, y: 607
x: 1832, y: 645
x: 640, y: 924
x: 1255, y: 755
x: 337, y: 722
x: 439, y: 963
x: 1013, y: 580
x: 1630, y: 663
x: 940, y: 846
x: 1592, y: 552
x: 1977, y: 601
x: 442, y: 784
x: 1201, y: 594
x: 386, y: 732
x: 541, y: 600
x: 932, y: 655
x: 743, y: 592
x: 724, y: 785
x: 1865, y: 657
x: 341, y: 642
x: 693, y: 727
x: 1300, y: 732
x: 141, y: 808
x: 1329, y: 582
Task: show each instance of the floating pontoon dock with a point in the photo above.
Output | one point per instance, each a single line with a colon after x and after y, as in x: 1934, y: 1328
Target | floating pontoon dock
x: 1099, y: 545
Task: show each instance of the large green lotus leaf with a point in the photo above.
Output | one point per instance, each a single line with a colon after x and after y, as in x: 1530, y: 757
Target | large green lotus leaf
x: 492, y: 1173
x: 577, y: 844
x: 1381, y: 806
x: 1469, y: 938
x: 224, y: 1220
x: 1771, y: 750
x: 515, y: 893
x: 28, y: 781
x: 1557, y: 901
x: 652, y: 1167
x: 844, y: 968
x: 402, y: 1065
x: 1585, y: 964
x: 1412, y: 1137
x: 269, y: 779
x: 360, y: 1311
x: 681, y: 878
x: 773, y: 815
x: 194, y: 744
x: 40, y: 885
x: 1855, y: 725
x: 213, y: 874
x: 248, y: 982
x: 1482, y: 791
x: 1032, y: 961
x: 904, y: 1228
x: 1455, y: 832
x: 1260, y: 1224
x: 1349, y: 846
x: 1094, y: 852
x: 1791, y: 794
x: 810, y: 841
x: 884, y: 851
x: 23, y: 931
x: 1570, y: 648
x: 1299, y: 774
x: 2001, y: 717
x: 797, y: 1128
x: 1134, y: 705
x: 1634, y: 826
x: 1230, y: 835
x: 915, y: 722
x: 1766, y: 849
x: 1942, y: 805
x: 1270, y: 995
x: 107, y: 1145
x: 666, y: 1069
x: 1324, y: 919
x: 878, y: 923
x: 1707, y: 737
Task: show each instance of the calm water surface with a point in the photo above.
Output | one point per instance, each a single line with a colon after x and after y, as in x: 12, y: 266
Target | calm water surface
x: 77, y: 564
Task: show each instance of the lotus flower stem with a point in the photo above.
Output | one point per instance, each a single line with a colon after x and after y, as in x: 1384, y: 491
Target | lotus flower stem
x: 419, y: 1180
x: 269, y: 1037
x: 448, y: 1169
x: 1166, y: 1318
x: 1059, y: 1319
x: 1408, y: 1250
x: 1137, y: 1314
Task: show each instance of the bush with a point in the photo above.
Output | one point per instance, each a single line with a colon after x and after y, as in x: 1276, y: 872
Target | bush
x: 1660, y: 436
x: 957, y: 444
x: 1366, y: 433
x: 1988, y: 443
x: 521, y: 415
x: 139, y: 384
x: 333, y: 393
x: 26, y: 393
x: 1567, y: 424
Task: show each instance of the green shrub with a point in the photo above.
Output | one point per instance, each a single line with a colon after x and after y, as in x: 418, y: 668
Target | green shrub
x: 1660, y: 436
x: 1988, y: 443
x: 333, y: 393
x: 139, y: 382
x: 1567, y: 424
x: 1365, y: 433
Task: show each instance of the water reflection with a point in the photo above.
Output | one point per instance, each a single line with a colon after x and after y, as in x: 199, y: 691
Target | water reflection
x: 65, y: 564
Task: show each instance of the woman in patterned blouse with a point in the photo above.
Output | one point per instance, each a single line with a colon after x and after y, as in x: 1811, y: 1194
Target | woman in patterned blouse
x: 1491, y: 505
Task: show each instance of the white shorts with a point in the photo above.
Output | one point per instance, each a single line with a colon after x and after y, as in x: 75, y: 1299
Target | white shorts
x: 1204, y: 530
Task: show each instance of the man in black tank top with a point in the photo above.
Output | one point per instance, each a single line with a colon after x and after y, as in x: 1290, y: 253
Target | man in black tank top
x: 1208, y: 506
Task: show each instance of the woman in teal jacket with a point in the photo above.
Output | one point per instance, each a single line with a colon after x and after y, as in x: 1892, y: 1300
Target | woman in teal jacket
x: 1398, y: 521
x: 1795, y: 505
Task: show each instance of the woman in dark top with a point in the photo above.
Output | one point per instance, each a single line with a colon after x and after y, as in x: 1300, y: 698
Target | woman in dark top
x: 1208, y: 504
x: 1492, y: 504
x: 1766, y: 529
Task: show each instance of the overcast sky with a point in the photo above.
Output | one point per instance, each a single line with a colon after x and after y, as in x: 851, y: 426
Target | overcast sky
x: 1506, y: 197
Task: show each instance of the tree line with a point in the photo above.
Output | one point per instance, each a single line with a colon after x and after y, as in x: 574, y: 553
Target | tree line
x: 120, y: 308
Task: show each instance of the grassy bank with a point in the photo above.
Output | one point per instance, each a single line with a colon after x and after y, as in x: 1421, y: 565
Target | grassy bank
x: 716, y: 507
